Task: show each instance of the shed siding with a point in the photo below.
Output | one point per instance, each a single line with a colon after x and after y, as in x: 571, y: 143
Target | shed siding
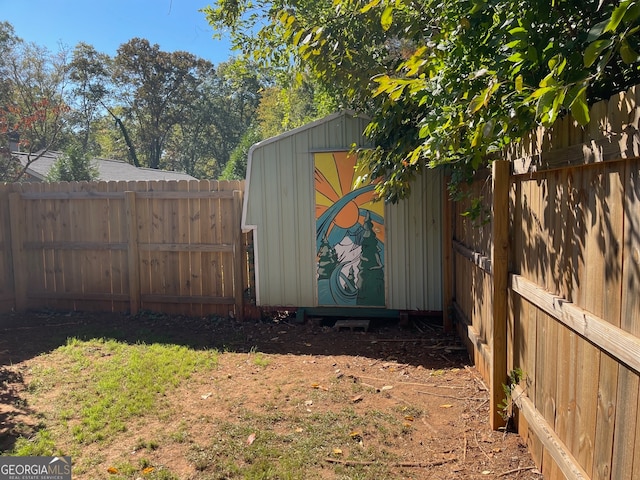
x: 414, y: 246
x: 279, y: 207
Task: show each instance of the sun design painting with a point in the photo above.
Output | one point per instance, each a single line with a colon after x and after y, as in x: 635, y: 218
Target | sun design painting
x: 349, y: 234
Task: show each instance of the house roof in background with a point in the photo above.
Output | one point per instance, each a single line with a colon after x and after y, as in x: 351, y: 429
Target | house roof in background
x: 108, y: 169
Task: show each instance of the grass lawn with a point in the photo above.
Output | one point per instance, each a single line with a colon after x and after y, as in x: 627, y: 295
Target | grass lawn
x: 273, y: 408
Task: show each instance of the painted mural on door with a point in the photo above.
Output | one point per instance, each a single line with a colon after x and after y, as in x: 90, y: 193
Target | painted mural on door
x: 349, y: 234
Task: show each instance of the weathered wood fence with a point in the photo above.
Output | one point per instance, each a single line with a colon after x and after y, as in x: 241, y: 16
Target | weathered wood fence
x: 551, y: 285
x: 174, y: 247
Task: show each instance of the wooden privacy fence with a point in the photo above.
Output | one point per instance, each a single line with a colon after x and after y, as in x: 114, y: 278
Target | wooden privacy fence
x: 551, y: 286
x: 173, y: 247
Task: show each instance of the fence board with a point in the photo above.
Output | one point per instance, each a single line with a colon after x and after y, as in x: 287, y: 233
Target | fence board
x: 563, y: 459
x: 7, y: 292
x: 627, y: 422
x: 546, y: 370
x: 574, y: 308
x: 124, y: 245
x: 226, y: 232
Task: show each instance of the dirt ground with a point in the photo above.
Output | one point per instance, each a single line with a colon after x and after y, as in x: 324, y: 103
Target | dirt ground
x: 416, y: 368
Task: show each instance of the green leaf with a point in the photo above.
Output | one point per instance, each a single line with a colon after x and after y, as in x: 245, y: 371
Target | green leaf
x: 539, y: 93
x: 516, y: 57
x: 476, y: 102
x: 580, y: 109
x: 477, y: 136
x: 573, y: 93
x: 369, y: 6
x: 478, y: 6
x: 545, y: 102
x: 557, y: 63
x: 556, y: 106
x: 594, y: 49
x: 548, y: 81
x: 386, y: 20
x: 297, y: 37
x: 616, y: 17
x: 518, y: 32
x: 597, y: 30
x: 628, y: 54
x: 632, y: 13
x: 519, y: 83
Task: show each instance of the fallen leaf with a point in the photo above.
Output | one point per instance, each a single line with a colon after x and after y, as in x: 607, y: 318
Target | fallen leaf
x: 386, y: 387
x: 148, y: 470
x: 337, y: 451
x: 446, y: 405
x: 486, y: 472
x: 317, y: 386
x: 112, y: 470
x: 409, y: 418
x: 299, y: 430
x: 251, y: 439
x: 406, y: 424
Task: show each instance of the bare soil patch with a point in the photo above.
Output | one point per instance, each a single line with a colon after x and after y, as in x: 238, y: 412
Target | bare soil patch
x: 273, y: 380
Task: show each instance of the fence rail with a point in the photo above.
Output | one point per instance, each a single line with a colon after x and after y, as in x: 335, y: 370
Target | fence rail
x: 563, y: 304
x: 169, y: 246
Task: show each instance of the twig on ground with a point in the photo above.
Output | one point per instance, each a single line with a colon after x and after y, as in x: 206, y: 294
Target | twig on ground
x: 450, y: 396
x: 478, y: 445
x: 483, y: 386
x: 412, y: 384
x: 515, y: 470
x: 464, y: 448
x: 354, y: 463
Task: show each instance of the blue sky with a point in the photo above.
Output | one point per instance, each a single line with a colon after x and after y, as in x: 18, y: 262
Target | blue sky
x: 106, y: 24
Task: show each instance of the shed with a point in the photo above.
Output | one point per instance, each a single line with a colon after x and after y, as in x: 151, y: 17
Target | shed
x: 319, y: 238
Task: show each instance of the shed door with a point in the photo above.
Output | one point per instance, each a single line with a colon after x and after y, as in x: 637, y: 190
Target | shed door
x: 349, y: 234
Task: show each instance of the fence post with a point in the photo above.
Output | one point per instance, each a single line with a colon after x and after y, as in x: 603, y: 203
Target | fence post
x: 20, y: 280
x: 132, y: 251
x: 499, y: 266
x: 237, y: 254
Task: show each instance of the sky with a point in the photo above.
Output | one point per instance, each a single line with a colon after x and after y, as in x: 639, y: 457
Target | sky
x: 106, y: 24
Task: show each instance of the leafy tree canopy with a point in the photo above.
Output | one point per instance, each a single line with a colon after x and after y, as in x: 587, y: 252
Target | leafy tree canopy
x: 73, y: 165
x: 446, y: 82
